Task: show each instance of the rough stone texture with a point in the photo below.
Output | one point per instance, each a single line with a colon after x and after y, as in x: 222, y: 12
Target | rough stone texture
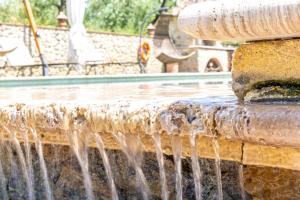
x: 67, y: 183
x: 68, y: 70
x: 112, y: 48
x: 55, y: 123
x: 265, y: 183
x: 246, y: 134
x: 268, y: 61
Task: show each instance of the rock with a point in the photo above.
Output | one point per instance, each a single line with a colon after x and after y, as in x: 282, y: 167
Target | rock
x: 265, y: 64
x: 271, y: 183
x: 66, y: 179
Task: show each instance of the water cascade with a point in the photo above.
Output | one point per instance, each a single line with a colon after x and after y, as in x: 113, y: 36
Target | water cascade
x: 160, y: 160
x: 23, y: 166
x: 3, y: 180
x: 177, y: 153
x: 79, y: 144
x: 171, y: 134
x: 28, y: 156
x: 39, y: 149
x: 100, y: 146
x: 196, y: 166
x: 132, y: 147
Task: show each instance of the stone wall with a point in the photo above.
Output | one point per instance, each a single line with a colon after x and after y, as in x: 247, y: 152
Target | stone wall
x: 112, y: 48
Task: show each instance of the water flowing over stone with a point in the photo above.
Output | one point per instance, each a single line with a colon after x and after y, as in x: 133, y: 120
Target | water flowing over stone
x: 100, y: 146
x: 130, y: 129
x: 28, y: 157
x: 23, y: 166
x: 132, y: 147
x: 196, y: 167
x: 177, y: 152
x: 160, y: 160
x: 79, y: 145
x: 3, y: 180
x: 39, y: 149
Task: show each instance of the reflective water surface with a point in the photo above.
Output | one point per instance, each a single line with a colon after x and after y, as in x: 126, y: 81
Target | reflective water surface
x: 125, y: 91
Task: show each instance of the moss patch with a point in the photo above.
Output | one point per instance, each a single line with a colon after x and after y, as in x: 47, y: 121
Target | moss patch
x: 275, y: 91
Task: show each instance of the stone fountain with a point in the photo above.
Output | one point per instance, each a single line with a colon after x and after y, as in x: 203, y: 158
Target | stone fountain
x: 196, y: 148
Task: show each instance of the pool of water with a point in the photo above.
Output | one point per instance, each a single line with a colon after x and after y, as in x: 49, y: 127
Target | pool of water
x: 96, y: 93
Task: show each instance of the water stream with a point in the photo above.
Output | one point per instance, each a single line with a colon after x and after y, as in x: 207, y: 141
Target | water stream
x: 132, y: 147
x: 27, y: 145
x: 13, y: 169
x: 130, y: 142
x: 79, y: 144
x: 160, y: 159
x: 100, y: 146
x: 177, y: 152
x: 39, y: 149
x: 196, y: 166
x: 216, y: 148
x: 23, y: 166
x: 3, y: 180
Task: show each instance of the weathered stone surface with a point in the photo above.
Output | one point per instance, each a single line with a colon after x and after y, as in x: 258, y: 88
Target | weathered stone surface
x: 266, y: 183
x: 268, y: 63
x: 235, y: 127
x: 279, y: 157
x: 111, y: 48
x: 67, y: 183
x: 264, y: 124
x: 66, y: 178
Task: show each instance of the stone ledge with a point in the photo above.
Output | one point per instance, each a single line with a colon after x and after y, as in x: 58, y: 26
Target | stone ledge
x: 55, y: 123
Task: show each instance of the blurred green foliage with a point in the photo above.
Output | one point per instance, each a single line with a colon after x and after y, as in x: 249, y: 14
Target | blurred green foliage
x: 231, y: 44
x: 101, y: 15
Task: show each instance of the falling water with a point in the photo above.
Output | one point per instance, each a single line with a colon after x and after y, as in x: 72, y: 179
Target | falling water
x: 162, y: 173
x: 79, y: 146
x: 132, y: 147
x: 177, y: 152
x: 39, y: 149
x: 196, y: 167
x: 100, y: 146
x: 241, y: 180
x: 3, y: 178
x: 23, y: 164
x: 216, y: 148
x: 27, y: 145
x: 15, y: 179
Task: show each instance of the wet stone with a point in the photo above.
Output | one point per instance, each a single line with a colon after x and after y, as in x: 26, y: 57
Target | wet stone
x: 66, y: 179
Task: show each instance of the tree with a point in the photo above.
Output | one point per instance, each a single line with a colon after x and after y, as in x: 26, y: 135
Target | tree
x: 107, y: 15
x: 120, y: 15
x: 45, y: 11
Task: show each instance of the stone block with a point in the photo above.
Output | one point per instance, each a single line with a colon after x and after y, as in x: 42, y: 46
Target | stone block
x: 267, y: 69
